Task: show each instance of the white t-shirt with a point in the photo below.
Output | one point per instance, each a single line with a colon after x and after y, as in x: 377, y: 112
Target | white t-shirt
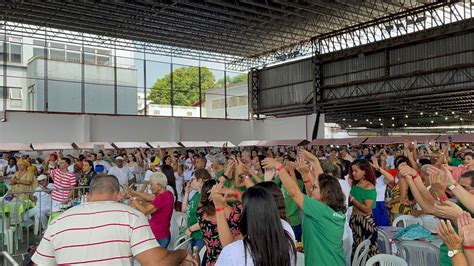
x: 122, y: 174
x: 346, y: 189
x: 105, y: 164
x: 380, y: 187
x: 234, y: 254
x: 179, y: 186
x: 43, y: 199
x: 3, y: 164
x: 104, y: 231
x: 287, y: 228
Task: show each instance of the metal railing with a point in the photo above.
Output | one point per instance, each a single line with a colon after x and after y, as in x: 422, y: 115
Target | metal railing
x: 8, y: 259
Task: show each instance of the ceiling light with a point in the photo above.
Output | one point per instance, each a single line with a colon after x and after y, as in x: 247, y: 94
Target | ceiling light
x: 406, y: 116
x: 446, y: 118
x: 367, y: 120
x: 436, y: 113
x: 432, y: 121
x: 371, y: 123
x: 470, y: 111
x: 452, y: 112
x: 393, y: 125
x: 405, y: 125
x: 350, y: 126
x: 421, y: 113
x: 343, y: 119
x: 460, y: 118
x: 393, y: 118
x: 381, y: 124
x: 380, y: 119
x: 355, y: 120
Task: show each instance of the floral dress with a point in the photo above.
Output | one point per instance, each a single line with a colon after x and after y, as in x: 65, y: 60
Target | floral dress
x: 211, y: 236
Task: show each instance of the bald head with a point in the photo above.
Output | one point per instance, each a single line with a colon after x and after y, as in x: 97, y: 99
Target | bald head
x: 104, y: 185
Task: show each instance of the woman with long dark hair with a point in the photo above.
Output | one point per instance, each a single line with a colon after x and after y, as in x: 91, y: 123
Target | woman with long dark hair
x: 206, y: 216
x: 324, y: 217
x: 169, y: 173
x: 363, y: 197
x: 265, y: 241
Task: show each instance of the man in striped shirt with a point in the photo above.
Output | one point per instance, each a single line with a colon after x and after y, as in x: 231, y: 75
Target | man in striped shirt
x: 104, y: 232
x: 63, y: 181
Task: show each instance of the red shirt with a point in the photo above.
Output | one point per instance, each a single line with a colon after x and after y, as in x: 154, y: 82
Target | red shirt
x: 160, y: 219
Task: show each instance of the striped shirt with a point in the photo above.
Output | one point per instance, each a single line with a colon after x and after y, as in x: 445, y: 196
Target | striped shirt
x: 95, y: 233
x: 63, y: 182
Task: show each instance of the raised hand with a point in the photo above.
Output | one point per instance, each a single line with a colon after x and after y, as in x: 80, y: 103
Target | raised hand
x: 406, y: 170
x: 375, y: 162
x: 270, y: 163
x: 187, y: 188
x: 450, y: 237
x: 218, y: 195
x: 301, y: 165
x: 269, y: 175
x: 308, y: 156
x: 448, y: 210
x: 466, y: 228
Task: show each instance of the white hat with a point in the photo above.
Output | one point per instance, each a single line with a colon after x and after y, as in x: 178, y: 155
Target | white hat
x: 119, y: 158
x: 42, y: 177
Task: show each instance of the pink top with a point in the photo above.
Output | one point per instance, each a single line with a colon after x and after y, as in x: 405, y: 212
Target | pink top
x: 160, y: 219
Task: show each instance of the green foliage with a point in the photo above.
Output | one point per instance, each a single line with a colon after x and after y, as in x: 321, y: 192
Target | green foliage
x: 186, y: 86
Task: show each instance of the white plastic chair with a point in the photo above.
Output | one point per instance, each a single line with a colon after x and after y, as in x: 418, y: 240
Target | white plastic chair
x: 386, y: 260
x: 184, y: 245
x: 299, y: 259
x: 178, y: 240
x: 10, y: 235
x: 181, y: 218
x: 406, y: 221
x: 418, y: 252
x: 383, y: 241
x: 360, y: 255
x: 16, y: 220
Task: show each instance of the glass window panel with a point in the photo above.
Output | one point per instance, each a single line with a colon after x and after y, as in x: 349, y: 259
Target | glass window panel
x: 89, y: 59
x: 57, y: 54
x: 127, y: 84
x: 103, y: 60
x: 105, y: 52
x: 213, y: 97
x: 73, y: 57
x: 99, y: 99
x: 186, y: 90
x: 237, y: 95
x: 2, y: 54
x: 39, y: 52
x: 158, y: 91
x: 15, y: 53
x: 39, y: 43
x: 74, y: 47
x: 57, y: 45
x: 64, y: 96
x: 128, y: 100
x: 89, y: 50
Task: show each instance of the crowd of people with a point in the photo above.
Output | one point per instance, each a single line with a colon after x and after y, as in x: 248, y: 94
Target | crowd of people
x: 254, y: 206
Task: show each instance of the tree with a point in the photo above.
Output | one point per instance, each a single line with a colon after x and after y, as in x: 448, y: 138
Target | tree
x: 241, y: 78
x: 185, y: 86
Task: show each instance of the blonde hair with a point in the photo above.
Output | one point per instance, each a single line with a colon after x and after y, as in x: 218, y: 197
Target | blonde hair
x: 159, y: 178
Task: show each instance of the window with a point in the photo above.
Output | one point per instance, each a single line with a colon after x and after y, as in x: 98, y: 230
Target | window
x: 103, y: 60
x: 73, y: 47
x: 73, y: 57
x: 89, y: 50
x: 16, y: 94
x: 89, y: 58
x: 189, y: 113
x: 57, y: 45
x: 39, y: 52
x: 15, y: 53
x: 106, y: 52
x: 57, y: 54
x: 243, y: 100
x: 39, y: 43
x: 233, y: 102
x: 156, y: 112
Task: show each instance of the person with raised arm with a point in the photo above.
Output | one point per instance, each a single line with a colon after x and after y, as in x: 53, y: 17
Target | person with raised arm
x: 323, y: 216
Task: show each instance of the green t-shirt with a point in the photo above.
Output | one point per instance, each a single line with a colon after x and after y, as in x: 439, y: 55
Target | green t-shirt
x: 455, y: 162
x: 444, y: 259
x: 219, y: 174
x: 4, y: 188
x: 322, y: 234
x: 361, y: 195
x: 192, y: 215
x: 230, y: 184
x: 291, y: 208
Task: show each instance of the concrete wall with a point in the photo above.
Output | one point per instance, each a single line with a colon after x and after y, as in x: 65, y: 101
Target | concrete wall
x: 35, y: 127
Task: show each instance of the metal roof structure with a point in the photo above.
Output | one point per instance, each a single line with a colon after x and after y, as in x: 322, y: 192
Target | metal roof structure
x: 242, y: 33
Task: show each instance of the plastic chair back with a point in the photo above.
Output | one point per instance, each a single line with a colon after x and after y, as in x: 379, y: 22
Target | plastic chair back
x: 184, y: 245
x: 383, y: 241
x: 360, y: 256
x: 386, y: 260
x: 181, y: 218
x: 177, y: 241
x: 406, y: 220
x: 418, y: 252
x: 202, y: 252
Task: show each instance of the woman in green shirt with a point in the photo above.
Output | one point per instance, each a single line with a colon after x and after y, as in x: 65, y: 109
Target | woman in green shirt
x: 323, y: 216
x: 190, y: 206
x: 363, y: 197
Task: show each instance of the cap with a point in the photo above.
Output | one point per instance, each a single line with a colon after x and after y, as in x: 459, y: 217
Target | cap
x: 42, y: 177
x: 119, y: 158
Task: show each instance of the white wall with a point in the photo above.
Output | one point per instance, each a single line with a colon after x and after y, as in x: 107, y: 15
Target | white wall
x: 35, y: 127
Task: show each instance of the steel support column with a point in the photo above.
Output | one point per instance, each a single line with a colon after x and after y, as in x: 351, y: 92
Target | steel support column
x: 254, y: 92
